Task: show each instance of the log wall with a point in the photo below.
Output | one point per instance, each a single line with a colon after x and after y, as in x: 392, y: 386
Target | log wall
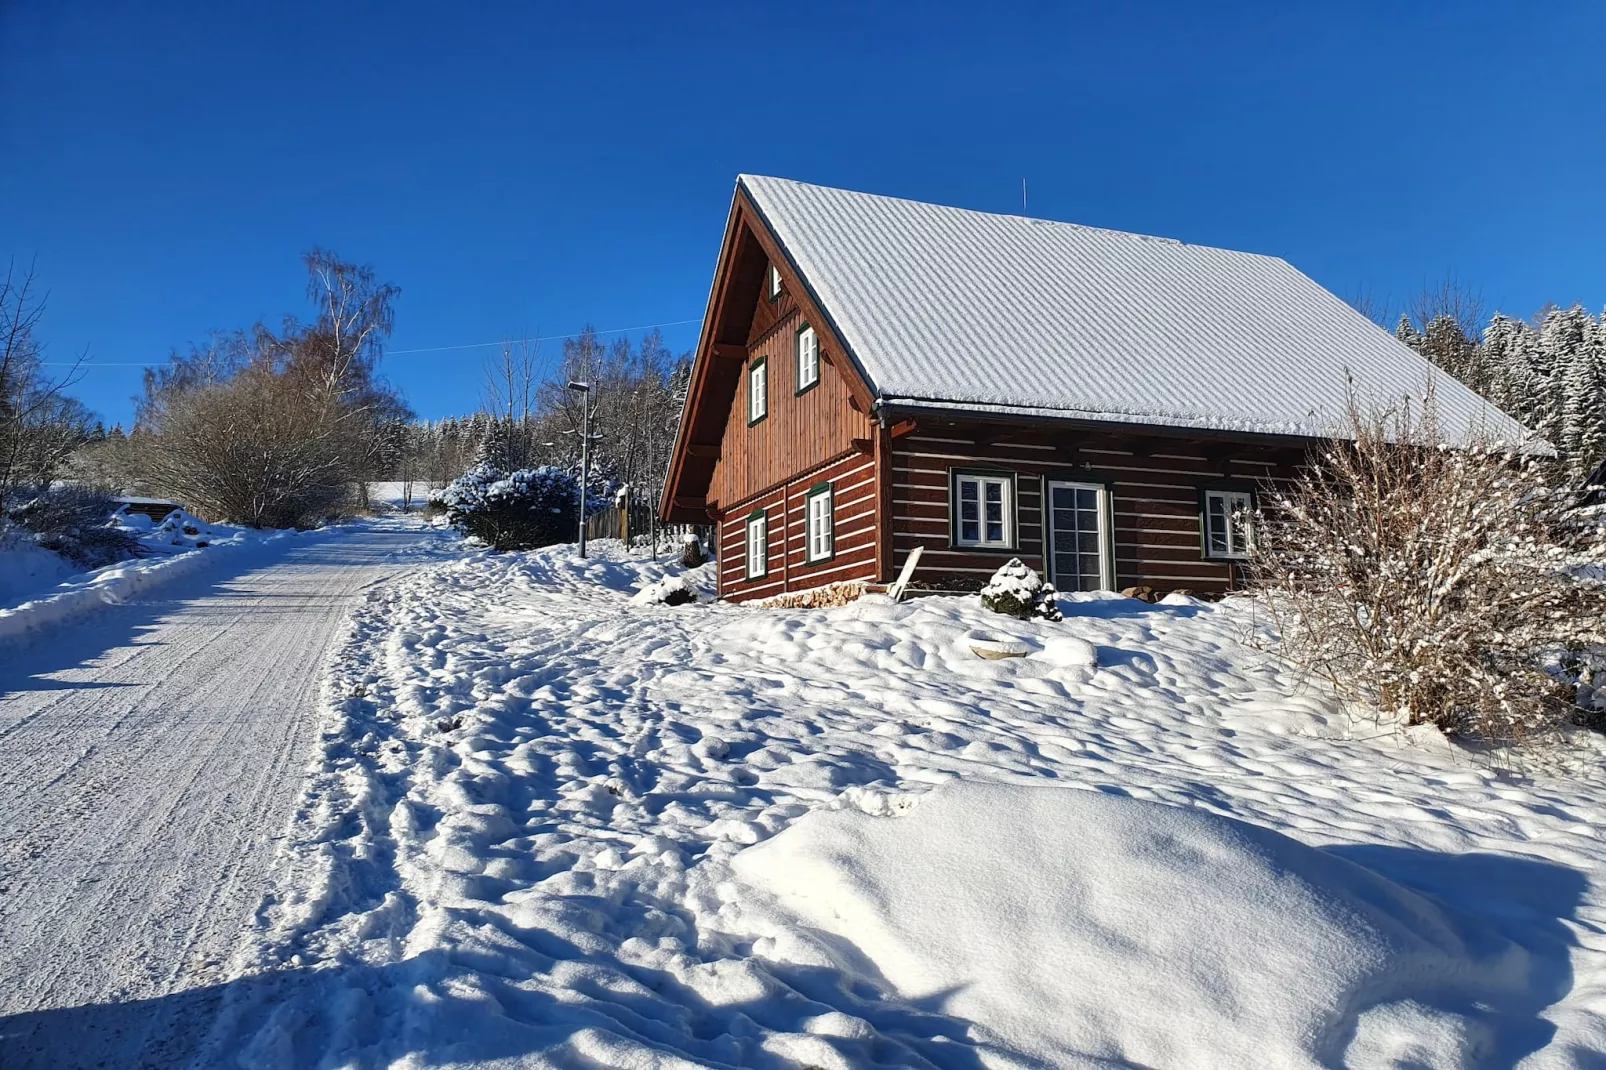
x: 855, y: 525
x: 1154, y: 484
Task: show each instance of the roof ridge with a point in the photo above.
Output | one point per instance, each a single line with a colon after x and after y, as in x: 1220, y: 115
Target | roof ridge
x: 744, y: 178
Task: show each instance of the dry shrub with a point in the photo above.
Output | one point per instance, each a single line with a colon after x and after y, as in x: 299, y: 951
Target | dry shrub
x: 1455, y: 586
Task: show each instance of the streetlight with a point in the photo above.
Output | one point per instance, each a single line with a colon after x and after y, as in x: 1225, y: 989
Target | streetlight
x: 584, y: 390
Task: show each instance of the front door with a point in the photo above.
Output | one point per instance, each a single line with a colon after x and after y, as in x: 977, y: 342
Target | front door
x: 1076, y: 533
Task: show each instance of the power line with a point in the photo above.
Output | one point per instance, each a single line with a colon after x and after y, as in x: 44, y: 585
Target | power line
x: 89, y: 364
x: 542, y: 338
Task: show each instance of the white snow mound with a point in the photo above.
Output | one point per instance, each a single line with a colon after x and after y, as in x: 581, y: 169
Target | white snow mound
x: 1078, y: 928
x: 670, y: 590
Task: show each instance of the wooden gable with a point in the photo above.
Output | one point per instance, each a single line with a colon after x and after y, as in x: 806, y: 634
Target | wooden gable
x: 721, y: 460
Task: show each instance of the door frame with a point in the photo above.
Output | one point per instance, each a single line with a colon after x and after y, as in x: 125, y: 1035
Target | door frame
x: 1106, y: 514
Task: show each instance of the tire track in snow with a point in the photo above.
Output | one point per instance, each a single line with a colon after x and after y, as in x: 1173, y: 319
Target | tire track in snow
x: 130, y: 867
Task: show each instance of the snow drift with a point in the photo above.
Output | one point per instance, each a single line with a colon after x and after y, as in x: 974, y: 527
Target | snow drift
x: 179, y: 546
x: 1081, y: 928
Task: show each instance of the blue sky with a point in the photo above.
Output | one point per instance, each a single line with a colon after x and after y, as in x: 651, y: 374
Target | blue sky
x: 528, y: 169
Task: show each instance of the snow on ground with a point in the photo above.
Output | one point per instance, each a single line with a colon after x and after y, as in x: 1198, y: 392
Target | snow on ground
x: 27, y: 569
x: 399, y: 496
x: 152, y: 754
x: 39, y: 592
x: 531, y: 841
x: 1221, y: 943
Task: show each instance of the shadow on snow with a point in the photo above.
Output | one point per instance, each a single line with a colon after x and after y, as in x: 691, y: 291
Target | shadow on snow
x: 439, y: 1008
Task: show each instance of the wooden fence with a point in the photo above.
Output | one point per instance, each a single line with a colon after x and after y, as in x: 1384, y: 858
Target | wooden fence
x: 637, y: 524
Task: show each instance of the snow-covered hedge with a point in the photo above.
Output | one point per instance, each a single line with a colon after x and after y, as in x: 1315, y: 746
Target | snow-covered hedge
x: 1018, y: 591
x: 75, y: 523
x: 519, y: 510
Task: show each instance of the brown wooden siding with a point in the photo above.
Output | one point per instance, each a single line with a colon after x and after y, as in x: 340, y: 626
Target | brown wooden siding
x: 802, y: 430
x: 1155, y: 488
x: 856, y: 521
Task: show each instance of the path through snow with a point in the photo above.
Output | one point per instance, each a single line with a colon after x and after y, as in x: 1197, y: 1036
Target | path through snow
x: 151, y: 754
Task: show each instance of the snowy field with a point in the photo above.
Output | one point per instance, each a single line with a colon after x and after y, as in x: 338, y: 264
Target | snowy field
x: 396, y: 496
x: 552, y: 827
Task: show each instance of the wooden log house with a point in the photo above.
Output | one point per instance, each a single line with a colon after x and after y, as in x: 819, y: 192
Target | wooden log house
x: 877, y: 374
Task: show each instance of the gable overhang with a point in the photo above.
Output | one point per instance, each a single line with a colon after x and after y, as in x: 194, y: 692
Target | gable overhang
x: 750, y: 244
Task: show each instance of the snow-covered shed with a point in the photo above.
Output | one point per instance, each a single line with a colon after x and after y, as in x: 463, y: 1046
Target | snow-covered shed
x: 877, y: 374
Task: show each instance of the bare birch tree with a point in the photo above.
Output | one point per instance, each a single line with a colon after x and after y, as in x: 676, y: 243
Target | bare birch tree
x: 40, y: 425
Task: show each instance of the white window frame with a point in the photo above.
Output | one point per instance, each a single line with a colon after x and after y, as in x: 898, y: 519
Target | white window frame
x: 808, y: 358
x: 758, y: 549
x: 773, y: 283
x: 758, y: 391
x: 983, y: 480
x: 819, y: 527
x: 1232, y: 501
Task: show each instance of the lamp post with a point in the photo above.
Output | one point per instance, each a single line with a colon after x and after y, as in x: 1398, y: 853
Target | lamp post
x: 584, y: 390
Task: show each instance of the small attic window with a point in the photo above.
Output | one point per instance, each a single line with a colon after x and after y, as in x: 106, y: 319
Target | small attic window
x: 772, y: 283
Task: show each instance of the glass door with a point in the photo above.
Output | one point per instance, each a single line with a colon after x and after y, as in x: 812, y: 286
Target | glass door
x: 1076, y: 550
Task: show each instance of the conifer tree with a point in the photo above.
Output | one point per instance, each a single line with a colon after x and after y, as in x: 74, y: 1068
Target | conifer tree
x: 1562, y: 367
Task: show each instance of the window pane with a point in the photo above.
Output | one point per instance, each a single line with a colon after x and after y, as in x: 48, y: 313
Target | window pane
x: 1238, y: 530
x: 808, y: 357
x: 756, y: 546
x: 969, y: 511
x: 993, y: 492
x: 819, y: 525
x: 1216, y: 523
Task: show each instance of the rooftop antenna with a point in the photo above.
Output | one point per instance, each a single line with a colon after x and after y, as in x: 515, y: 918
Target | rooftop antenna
x: 1023, y: 196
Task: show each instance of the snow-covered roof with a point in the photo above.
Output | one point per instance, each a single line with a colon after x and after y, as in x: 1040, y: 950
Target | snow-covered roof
x: 948, y: 308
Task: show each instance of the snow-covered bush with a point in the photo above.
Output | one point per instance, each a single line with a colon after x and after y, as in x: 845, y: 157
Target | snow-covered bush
x: 75, y: 522
x: 669, y: 591
x: 519, y: 510
x: 1018, y: 591
x: 1450, y: 585
x: 179, y: 528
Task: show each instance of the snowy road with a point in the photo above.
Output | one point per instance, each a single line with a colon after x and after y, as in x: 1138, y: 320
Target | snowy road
x: 149, y: 758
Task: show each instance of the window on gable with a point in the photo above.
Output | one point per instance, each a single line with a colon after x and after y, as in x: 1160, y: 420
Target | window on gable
x: 758, y: 391
x: 808, y: 358
x: 820, y: 527
x: 983, y: 508
x: 757, y: 545
x: 772, y: 283
x: 1227, y: 523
